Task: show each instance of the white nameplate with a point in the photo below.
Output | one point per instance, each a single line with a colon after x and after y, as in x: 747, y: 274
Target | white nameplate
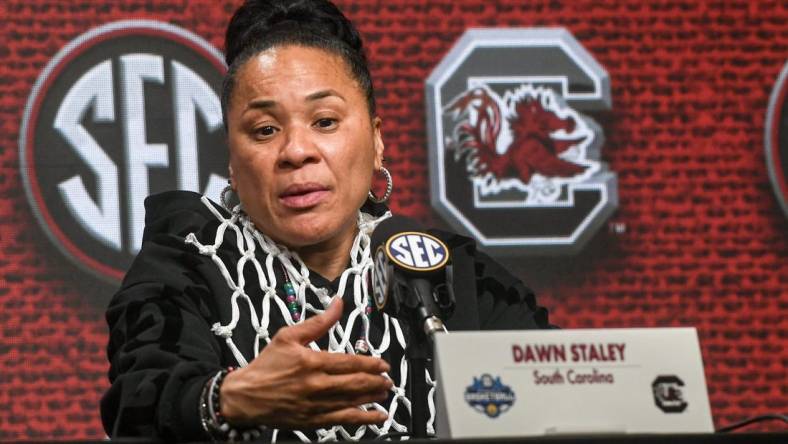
x: 536, y: 382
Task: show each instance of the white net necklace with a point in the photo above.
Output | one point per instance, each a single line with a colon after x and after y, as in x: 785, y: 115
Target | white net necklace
x: 356, y: 276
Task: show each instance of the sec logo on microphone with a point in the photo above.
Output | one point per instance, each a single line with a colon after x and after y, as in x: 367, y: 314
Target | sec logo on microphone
x: 417, y: 251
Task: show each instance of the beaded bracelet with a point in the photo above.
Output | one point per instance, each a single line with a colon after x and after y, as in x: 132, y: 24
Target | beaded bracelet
x: 211, y: 417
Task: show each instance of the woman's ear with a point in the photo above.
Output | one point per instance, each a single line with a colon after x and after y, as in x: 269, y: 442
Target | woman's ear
x: 377, y: 142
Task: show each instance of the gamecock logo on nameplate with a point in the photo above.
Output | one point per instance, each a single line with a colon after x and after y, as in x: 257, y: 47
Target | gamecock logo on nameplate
x: 123, y: 111
x: 514, y: 155
x: 668, y: 393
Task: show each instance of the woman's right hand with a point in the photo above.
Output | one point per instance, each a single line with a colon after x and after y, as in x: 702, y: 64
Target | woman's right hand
x: 291, y: 386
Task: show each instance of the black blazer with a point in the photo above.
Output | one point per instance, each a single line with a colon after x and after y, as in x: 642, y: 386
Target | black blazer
x: 161, y: 348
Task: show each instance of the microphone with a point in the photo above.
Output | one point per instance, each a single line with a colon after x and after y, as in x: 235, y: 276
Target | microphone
x: 412, y: 281
x: 412, y: 274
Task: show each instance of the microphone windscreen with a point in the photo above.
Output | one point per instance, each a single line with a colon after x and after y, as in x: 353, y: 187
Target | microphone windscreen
x: 390, y: 227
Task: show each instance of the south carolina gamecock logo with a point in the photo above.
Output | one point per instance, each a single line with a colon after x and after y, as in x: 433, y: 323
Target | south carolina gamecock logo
x: 668, y: 393
x: 527, y: 140
x: 514, y: 155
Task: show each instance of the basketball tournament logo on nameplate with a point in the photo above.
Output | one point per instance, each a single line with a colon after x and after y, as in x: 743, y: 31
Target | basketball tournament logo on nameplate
x: 514, y: 153
x: 125, y: 110
x: 776, y: 138
x: 488, y: 395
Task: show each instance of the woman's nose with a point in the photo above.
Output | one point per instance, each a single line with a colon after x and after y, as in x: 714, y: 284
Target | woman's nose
x: 299, y: 149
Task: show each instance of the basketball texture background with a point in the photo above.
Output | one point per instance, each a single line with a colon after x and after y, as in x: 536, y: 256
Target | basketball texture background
x: 698, y: 240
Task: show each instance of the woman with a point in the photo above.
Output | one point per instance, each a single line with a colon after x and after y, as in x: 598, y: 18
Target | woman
x: 253, y: 287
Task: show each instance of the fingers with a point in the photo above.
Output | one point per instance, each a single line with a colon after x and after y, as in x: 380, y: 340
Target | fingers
x: 338, y: 363
x: 349, y: 416
x: 355, y: 384
x: 343, y: 402
x: 316, y: 388
x: 328, y: 404
x: 314, y: 327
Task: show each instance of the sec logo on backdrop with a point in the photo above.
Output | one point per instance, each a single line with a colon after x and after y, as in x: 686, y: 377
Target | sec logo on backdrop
x: 123, y: 111
x: 514, y: 159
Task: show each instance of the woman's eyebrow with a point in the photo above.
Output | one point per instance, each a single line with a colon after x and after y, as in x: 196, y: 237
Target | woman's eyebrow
x: 323, y: 94
x: 261, y: 104
x: 264, y: 104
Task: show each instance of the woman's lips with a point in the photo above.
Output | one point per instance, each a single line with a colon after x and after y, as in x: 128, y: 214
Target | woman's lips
x: 301, y: 196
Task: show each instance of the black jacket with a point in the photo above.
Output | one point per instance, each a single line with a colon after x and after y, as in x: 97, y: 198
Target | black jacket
x: 161, y: 348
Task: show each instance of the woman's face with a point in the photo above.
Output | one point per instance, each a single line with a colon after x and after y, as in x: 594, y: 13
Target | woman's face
x: 303, y: 147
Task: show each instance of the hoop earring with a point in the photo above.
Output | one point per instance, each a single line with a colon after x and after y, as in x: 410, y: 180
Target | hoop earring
x: 226, y: 196
x: 389, y: 187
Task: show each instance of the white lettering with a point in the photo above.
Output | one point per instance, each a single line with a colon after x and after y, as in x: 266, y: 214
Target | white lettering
x: 415, y: 243
x: 435, y: 251
x: 136, y: 69
x: 400, y: 252
x: 102, y: 219
x: 192, y: 95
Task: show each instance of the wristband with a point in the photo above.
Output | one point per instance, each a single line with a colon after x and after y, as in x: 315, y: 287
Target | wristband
x: 213, y: 423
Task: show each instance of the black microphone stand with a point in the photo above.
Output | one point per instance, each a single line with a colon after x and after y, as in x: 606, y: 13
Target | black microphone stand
x: 422, y: 322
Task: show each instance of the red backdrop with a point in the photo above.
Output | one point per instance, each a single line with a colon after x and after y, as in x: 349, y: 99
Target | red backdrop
x: 698, y: 239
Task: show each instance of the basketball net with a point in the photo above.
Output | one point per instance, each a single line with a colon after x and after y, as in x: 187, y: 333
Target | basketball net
x: 248, y: 241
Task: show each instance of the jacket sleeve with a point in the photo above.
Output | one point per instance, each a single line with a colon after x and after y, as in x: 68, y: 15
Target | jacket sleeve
x: 505, y: 303
x: 161, y: 349
x: 488, y: 297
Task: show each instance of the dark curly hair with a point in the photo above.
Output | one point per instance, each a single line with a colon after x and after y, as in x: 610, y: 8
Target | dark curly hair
x: 259, y: 25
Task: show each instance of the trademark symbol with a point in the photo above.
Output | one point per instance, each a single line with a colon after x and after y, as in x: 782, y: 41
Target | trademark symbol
x: 617, y: 227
